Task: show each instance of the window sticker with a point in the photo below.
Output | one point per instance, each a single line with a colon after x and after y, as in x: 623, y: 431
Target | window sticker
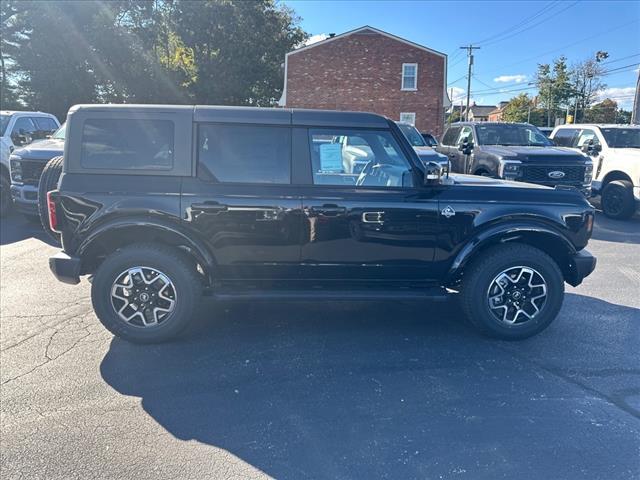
x: 331, y: 157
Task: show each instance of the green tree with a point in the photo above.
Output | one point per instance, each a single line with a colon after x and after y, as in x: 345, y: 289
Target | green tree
x: 555, y: 87
x: 238, y: 48
x: 603, y: 112
x: 522, y: 109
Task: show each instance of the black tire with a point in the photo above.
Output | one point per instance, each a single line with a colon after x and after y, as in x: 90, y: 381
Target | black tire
x: 48, y: 181
x: 5, y: 196
x: 479, y: 277
x: 617, y: 200
x: 167, y: 260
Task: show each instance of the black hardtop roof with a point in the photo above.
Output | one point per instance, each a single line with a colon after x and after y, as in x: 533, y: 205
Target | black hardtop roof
x: 257, y: 115
x: 490, y: 123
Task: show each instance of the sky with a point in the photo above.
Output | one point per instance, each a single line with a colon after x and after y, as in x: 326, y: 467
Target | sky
x: 514, y: 36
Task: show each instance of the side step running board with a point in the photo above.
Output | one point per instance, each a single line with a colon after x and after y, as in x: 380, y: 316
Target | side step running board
x: 433, y: 294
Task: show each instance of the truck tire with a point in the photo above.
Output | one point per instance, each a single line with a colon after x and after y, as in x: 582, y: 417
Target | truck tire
x: 617, y: 200
x: 48, y: 181
x: 5, y: 195
x: 152, y: 309
x: 513, y: 291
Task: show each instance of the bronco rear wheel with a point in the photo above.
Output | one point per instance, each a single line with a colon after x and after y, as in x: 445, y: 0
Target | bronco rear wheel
x: 512, y: 292
x: 146, y: 293
x: 48, y: 181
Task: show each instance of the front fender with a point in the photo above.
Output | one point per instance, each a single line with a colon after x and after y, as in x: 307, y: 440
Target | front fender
x: 505, y: 233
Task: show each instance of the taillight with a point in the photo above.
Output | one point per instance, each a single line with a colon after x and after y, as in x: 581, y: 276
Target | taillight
x: 53, y: 218
x: 590, y: 218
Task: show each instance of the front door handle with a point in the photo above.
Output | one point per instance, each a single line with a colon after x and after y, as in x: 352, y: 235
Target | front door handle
x: 209, y: 207
x: 328, y: 210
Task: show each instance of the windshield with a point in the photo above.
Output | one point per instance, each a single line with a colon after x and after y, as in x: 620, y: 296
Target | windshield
x: 4, y: 121
x: 412, y: 134
x: 622, y: 137
x: 511, y: 134
x: 60, y: 133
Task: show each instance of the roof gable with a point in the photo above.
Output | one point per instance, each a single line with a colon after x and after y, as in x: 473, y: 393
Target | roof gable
x: 366, y: 29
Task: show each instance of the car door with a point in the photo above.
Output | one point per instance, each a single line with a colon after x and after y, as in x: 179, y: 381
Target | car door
x: 241, y: 201
x: 376, y: 224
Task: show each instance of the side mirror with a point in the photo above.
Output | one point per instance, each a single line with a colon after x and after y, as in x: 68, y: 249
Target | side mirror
x: 432, y: 173
x: 466, y: 147
x: 591, y: 149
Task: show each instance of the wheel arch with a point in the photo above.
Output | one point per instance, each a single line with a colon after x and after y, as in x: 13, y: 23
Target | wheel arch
x: 112, y: 236
x: 553, y: 243
x: 613, y: 176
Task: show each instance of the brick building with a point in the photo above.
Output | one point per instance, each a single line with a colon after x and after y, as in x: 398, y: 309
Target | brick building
x: 370, y: 70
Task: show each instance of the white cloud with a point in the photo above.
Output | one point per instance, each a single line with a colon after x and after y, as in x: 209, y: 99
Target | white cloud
x: 622, y: 95
x: 510, y: 78
x: 315, y: 39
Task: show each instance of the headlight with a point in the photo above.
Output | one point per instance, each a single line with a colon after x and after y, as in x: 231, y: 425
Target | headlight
x: 510, y: 169
x: 16, y: 168
x: 588, y: 173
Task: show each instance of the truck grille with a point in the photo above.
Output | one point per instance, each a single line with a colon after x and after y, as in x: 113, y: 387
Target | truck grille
x: 31, y: 171
x: 540, y: 174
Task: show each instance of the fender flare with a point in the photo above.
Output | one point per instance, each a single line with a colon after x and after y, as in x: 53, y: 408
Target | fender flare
x: 500, y: 234
x: 197, y: 246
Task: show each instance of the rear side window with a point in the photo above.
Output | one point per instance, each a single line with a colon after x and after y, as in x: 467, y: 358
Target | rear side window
x: 127, y: 144
x: 451, y: 136
x: 566, y: 137
x: 244, y: 154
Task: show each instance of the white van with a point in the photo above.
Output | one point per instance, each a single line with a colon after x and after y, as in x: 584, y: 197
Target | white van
x: 616, y: 162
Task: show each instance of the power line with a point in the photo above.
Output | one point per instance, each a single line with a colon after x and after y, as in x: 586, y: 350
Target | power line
x: 521, y: 23
x: 620, y: 59
x: 554, y: 15
x: 604, y: 32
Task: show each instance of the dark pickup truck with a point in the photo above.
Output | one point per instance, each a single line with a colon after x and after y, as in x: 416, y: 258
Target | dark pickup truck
x: 514, y: 151
x: 162, y: 204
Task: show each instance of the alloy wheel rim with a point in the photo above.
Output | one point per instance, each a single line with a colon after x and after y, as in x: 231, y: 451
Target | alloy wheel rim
x: 143, y: 296
x: 613, y: 203
x: 517, y: 295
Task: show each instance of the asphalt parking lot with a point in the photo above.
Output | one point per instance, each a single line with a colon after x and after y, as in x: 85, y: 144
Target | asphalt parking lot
x: 320, y: 390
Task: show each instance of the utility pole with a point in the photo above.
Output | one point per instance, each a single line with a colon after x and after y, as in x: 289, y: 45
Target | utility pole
x: 470, y: 48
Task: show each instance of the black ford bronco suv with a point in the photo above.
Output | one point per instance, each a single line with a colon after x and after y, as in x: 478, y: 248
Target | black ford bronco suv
x: 162, y: 204
x: 514, y: 151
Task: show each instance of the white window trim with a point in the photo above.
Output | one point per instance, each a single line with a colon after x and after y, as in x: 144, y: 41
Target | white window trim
x: 408, y: 113
x: 402, y: 87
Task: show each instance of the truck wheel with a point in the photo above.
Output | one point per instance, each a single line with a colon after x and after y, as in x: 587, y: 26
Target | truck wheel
x: 513, y: 291
x: 5, y: 196
x: 146, y: 293
x: 48, y: 181
x: 617, y: 200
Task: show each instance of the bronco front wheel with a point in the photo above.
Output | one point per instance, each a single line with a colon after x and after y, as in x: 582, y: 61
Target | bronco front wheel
x: 512, y: 292
x: 146, y: 293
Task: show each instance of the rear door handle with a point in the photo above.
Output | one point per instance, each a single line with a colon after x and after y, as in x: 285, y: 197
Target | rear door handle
x: 329, y: 210
x: 209, y: 207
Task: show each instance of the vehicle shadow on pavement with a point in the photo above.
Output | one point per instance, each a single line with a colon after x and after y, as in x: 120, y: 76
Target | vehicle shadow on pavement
x: 374, y: 390
x: 620, y: 231
x: 16, y: 228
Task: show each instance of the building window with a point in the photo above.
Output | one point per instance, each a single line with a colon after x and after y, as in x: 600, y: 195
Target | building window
x: 408, y: 117
x: 409, y: 76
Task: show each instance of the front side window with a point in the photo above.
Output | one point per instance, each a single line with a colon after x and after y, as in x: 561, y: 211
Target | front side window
x: 46, y: 124
x: 4, y: 122
x: 127, y: 144
x: 619, y: 137
x: 23, y: 131
x: 466, y: 133
x: 511, y: 135
x: 358, y: 158
x: 244, y: 154
x: 409, y: 76
x: 587, y: 136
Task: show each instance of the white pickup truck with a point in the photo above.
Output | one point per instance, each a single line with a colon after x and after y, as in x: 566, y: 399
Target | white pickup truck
x: 18, y: 129
x: 616, y: 162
